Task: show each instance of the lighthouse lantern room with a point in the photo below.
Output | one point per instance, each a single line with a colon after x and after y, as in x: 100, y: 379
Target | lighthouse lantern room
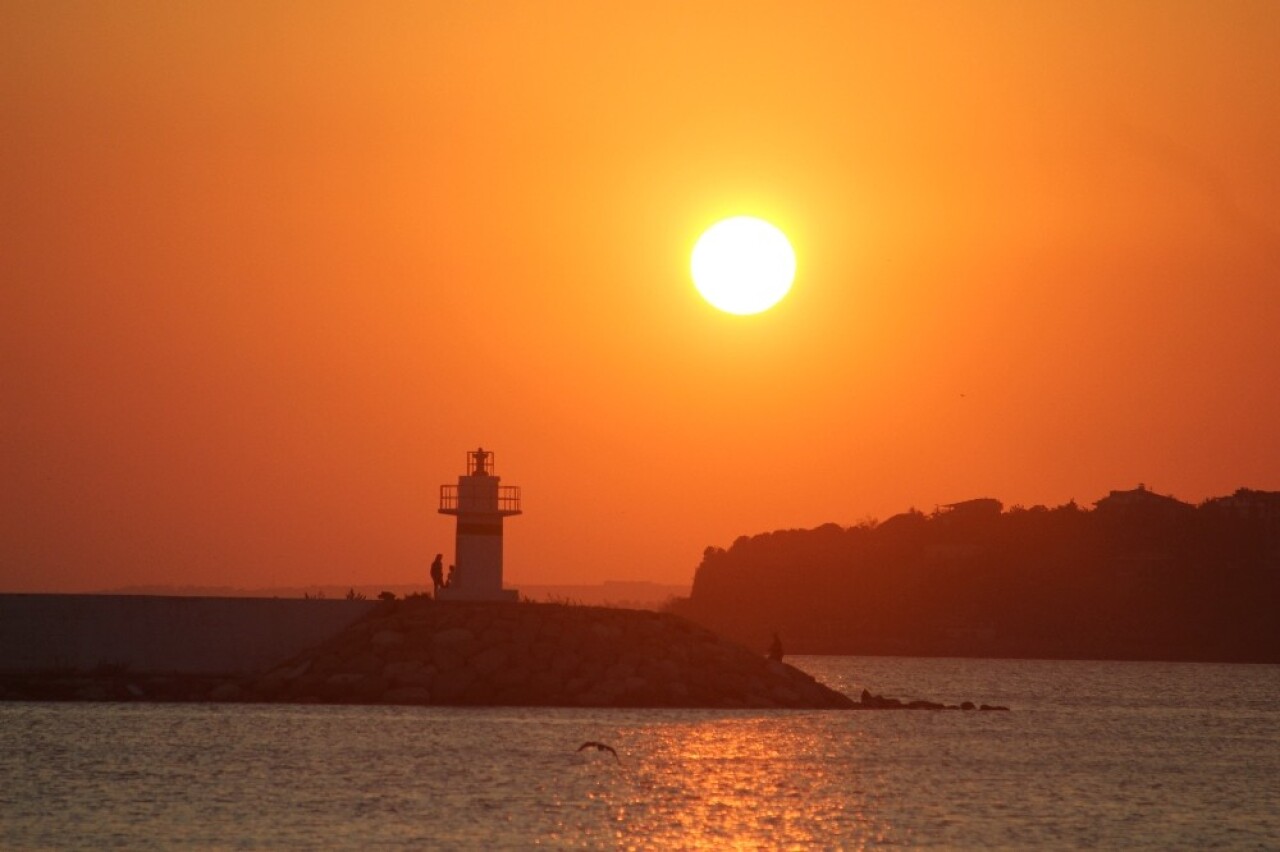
x: 479, y: 503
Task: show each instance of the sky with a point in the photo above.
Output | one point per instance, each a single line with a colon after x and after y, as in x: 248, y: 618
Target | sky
x: 269, y: 270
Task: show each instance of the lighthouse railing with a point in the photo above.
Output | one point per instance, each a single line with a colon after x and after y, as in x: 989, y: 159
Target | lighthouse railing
x: 508, y: 500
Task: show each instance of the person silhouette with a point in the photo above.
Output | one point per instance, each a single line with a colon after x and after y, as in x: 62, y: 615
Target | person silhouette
x: 449, y: 580
x: 437, y: 573
x: 775, y: 649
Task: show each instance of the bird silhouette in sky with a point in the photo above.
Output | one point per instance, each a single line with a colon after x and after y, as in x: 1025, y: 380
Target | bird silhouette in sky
x: 600, y: 747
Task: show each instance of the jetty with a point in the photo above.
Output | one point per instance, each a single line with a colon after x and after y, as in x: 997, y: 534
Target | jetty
x: 410, y: 651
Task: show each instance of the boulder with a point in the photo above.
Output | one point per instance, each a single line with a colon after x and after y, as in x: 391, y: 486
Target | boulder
x: 228, y: 691
x: 385, y: 639
x: 490, y: 660
x: 407, y: 695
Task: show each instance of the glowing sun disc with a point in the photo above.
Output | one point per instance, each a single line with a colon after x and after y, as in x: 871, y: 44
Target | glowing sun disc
x: 743, y: 265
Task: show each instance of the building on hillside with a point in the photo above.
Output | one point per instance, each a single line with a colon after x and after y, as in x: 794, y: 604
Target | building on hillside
x: 1142, y: 501
x: 978, y: 507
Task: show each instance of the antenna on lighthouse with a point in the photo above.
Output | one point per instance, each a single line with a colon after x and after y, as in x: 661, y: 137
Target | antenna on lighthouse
x: 479, y: 503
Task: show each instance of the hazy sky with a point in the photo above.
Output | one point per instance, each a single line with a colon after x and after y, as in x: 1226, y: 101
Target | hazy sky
x: 268, y: 271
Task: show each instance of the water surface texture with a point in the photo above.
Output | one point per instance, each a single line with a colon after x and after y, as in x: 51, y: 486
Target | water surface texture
x: 1092, y: 754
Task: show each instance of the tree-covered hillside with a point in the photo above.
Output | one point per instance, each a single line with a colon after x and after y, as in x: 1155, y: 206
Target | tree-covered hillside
x: 1141, y: 576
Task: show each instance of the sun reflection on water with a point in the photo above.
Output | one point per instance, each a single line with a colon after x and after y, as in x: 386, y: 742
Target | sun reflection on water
x: 740, y: 782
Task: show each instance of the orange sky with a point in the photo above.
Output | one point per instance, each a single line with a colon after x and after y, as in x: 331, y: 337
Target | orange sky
x: 269, y: 270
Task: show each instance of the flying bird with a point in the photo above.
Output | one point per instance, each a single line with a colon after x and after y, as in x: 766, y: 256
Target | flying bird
x: 600, y: 747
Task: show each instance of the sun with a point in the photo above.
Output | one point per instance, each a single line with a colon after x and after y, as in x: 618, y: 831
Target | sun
x: 743, y: 265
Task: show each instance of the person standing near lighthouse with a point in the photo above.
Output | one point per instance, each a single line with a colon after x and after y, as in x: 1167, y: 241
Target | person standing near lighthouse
x: 437, y: 574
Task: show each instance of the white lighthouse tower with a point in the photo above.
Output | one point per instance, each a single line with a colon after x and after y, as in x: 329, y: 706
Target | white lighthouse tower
x: 479, y: 503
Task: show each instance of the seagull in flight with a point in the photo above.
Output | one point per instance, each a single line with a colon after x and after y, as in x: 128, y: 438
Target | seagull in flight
x: 600, y: 747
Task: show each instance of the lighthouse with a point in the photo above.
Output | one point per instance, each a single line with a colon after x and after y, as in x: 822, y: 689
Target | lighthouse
x: 479, y: 503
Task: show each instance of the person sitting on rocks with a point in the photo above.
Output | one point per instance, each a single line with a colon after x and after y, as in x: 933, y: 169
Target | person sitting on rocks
x: 775, y: 649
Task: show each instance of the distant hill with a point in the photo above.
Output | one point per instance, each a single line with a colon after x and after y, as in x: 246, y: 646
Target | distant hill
x: 1140, y: 576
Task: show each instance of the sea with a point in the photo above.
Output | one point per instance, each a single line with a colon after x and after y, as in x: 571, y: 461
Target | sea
x: 1091, y: 754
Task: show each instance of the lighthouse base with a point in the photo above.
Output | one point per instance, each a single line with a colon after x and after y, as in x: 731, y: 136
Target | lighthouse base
x: 458, y: 593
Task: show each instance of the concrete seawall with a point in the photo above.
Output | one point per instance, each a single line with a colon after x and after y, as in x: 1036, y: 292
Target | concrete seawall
x: 159, y: 635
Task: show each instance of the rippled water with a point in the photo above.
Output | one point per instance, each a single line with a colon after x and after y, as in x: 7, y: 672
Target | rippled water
x: 1092, y: 754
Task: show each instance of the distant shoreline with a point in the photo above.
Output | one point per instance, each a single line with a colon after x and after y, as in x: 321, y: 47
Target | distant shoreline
x: 630, y: 594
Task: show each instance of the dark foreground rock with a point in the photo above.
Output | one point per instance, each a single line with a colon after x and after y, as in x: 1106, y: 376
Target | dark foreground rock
x: 869, y: 701
x: 418, y: 651
x: 112, y: 686
x: 421, y: 652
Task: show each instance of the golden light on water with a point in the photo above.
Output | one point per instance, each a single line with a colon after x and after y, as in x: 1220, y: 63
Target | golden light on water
x: 739, y: 783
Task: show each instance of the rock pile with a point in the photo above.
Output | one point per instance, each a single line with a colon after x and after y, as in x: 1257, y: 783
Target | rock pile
x: 418, y: 651
x: 869, y: 701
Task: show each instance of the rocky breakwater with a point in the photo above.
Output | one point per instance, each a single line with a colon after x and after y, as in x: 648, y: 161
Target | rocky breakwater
x: 418, y: 651
x: 869, y: 701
